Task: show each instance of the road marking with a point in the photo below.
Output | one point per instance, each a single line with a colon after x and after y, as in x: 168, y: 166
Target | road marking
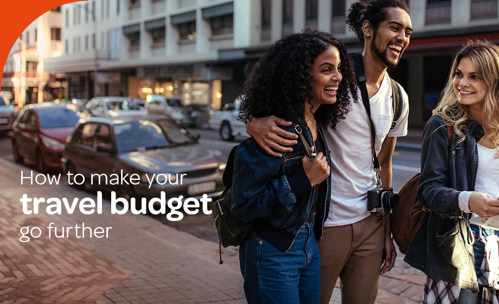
x: 405, y: 168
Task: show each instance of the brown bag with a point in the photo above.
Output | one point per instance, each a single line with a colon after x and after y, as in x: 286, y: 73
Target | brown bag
x: 408, y: 216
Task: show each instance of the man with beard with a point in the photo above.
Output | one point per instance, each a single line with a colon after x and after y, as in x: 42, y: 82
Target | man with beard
x: 356, y: 246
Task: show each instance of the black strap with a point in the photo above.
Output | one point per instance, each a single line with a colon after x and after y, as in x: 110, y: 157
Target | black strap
x: 361, y: 79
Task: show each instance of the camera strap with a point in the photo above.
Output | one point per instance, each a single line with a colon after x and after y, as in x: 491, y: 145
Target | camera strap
x: 361, y: 80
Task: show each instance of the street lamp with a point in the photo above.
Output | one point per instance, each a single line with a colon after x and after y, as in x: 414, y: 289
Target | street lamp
x: 96, y: 54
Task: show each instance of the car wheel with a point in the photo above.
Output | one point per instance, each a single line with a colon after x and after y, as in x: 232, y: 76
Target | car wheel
x: 226, y: 131
x: 15, y: 152
x: 71, y: 168
x: 40, y: 163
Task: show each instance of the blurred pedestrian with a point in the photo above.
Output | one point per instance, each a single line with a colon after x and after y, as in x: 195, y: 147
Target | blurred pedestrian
x: 459, y: 178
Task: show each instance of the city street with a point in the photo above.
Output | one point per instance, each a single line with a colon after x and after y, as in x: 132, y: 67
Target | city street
x: 142, y: 260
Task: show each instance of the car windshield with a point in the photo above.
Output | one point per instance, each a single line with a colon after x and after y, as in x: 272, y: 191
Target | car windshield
x: 121, y: 105
x: 139, y: 136
x: 63, y: 117
x: 2, y: 101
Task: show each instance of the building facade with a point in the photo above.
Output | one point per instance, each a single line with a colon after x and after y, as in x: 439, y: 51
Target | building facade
x: 24, y: 73
x: 203, y: 50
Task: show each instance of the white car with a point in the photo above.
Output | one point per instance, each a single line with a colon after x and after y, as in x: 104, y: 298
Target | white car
x: 113, y: 106
x: 227, y: 121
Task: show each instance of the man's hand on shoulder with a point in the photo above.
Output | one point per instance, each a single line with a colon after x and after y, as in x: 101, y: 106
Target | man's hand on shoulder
x: 270, y: 136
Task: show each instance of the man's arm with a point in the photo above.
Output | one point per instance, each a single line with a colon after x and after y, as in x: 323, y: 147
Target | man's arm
x: 270, y: 137
x: 385, y: 161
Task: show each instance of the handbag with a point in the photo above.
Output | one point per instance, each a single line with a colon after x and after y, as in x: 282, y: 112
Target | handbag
x: 231, y: 231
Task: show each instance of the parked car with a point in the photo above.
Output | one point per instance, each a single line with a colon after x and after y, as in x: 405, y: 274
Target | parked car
x: 40, y: 131
x: 227, y: 122
x: 173, y: 107
x: 150, y: 147
x: 112, y: 106
x: 6, y: 110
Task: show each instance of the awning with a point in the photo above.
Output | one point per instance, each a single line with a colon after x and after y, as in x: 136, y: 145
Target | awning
x: 219, y: 10
x: 131, y: 29
x: 155, y: 24
x: 183, y: 18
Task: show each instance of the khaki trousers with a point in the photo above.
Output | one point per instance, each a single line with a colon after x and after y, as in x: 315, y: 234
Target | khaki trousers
x: 353, y: 253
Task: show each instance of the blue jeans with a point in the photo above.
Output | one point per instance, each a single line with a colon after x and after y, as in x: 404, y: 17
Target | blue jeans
x: 273, y: 276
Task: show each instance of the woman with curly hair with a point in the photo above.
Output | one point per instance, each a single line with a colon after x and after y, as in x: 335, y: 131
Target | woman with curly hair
x: 459, y: 181
x: 305, y: 78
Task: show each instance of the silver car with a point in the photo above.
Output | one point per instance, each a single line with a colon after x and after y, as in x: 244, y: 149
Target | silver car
x: 165, y: 157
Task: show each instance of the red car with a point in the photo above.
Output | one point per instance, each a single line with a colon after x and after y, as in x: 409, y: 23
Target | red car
x: 39, y: 133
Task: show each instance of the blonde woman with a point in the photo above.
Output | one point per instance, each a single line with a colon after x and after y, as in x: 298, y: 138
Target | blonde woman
x: 460, y: 179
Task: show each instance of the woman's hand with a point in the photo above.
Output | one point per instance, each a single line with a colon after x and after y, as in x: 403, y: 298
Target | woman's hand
x: 317, y: 168
x: 270, y: 137
x: 483, y: 204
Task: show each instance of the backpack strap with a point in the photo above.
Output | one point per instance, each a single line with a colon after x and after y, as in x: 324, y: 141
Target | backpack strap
x: 396, y: 92
x: 229, y: 169
x: 397, y: 102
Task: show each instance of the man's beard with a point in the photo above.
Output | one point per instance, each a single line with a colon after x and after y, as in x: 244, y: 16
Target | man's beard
x: 382, y: 55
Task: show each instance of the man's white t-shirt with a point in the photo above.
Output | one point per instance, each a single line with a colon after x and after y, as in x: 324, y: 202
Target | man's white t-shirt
x: 351, y: 153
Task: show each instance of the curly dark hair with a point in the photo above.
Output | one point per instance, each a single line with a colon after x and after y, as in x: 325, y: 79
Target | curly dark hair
x: 374, y: 11
x: 281, y: 81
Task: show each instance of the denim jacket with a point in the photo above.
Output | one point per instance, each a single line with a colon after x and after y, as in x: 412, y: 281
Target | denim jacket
x: 275, y: 193
x: 443, y: 247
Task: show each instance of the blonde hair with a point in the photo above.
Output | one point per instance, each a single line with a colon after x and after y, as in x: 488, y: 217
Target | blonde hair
x: 485, y: 57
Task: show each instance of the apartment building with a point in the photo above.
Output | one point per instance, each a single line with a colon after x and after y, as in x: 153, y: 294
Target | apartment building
x: 24, y: 74
x: 203, y: 50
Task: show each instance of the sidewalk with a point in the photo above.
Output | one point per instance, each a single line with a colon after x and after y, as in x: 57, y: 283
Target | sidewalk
x: 142, y: 261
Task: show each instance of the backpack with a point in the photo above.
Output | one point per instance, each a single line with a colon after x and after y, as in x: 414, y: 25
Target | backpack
x: 409, y: 215
x: 231, y: 231
x: 396, y: 93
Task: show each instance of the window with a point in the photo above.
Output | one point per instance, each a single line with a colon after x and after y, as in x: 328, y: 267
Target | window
x: 222, y: 25
x: 266, y: 20
x: 93, y: 10
x: 85, y: 135
x: 437, y: 12
x: 338, y: 17
x: 103, y: 137
x: 27, y: 37
x: 36, y: 35
x: 118, y: 7
x: 483, y: 9
x: 67, y: 17
x: 134, y: 39
x: 55, y: 34
x: 93, y: 41
x: 86, y: 12
x: 287, y: 17
x: 66, y: 46
x: 86, y: 42
x: 158, y: 35
x: 57, y: 9
x: 311, y: 12
x: 187, y: 31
